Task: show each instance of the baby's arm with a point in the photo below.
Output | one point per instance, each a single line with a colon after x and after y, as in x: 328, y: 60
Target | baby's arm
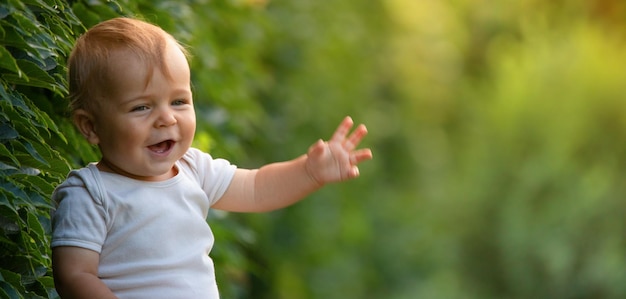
x: 76, y: 274
x: 277, y: 185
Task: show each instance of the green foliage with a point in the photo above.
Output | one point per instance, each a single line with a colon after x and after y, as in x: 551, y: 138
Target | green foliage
x: 35, y: 37
x: 498, y: 136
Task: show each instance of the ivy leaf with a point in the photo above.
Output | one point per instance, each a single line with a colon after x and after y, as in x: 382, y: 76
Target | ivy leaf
x: 7, y: 61
x: 46, y: 50
x: 5, y: 152
x: 4, y: 12
x: 8, y: 291
x: 49, y: 125
x: 3, y: 92
x: 4, y: 167
x: 88, y: 17
x: 7, y: 132
x: 35, y: 227
x: 34, y: 72
x: 4, y: 202
x: 33, y: 75
x: 29, y: 25
x: 40, y: 5
x: 8, y: 283
x: 28, y: 147
x: 12, y: 37
x: 64, y: 35
x: 14, y: 192
x: 47, y: 282
x: 22, y: 119
x: 36, y: 182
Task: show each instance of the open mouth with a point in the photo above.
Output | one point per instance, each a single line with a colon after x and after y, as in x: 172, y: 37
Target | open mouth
x: 162, y: 147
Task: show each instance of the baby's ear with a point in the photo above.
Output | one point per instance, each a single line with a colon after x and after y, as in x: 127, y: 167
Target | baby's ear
x: 84, y: 121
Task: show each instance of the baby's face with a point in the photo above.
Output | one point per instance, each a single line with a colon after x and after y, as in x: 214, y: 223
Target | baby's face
x: 144, y: 129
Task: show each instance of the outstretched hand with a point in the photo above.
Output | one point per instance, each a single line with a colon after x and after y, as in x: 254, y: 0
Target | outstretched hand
x: 336, y: 159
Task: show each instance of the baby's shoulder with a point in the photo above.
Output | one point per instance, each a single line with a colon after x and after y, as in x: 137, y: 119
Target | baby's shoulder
x: 202, y: 164
x: 82, y: 176
x: 80, y: 181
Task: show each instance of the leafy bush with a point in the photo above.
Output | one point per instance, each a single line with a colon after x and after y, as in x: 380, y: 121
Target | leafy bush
x: 35, y: 37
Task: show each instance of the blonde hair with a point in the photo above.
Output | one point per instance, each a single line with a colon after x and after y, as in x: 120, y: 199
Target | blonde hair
x: 90, y: 71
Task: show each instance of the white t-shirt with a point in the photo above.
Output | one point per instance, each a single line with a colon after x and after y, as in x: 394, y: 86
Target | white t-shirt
x: 152, y: 237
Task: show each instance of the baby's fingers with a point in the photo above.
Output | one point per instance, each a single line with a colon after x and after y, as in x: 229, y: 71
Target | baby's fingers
x: 361, y: 155
x: 342, y: 130
x: 355, y: 138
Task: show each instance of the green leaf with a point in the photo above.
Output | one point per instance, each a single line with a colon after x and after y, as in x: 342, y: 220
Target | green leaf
x: 33, y: 75
x: 5, y: 152
x: 25, y: 125
x: 27, y: 147
x: 13, y: 190
x: 12, y: 36
x: 8, y: 223
x: 4, y: 12
x: 3, y: 91
x: 11, y: 283
x: 37, y: 183
x: 4, y: 166
x: 16, y: 101
x: 50, y: 125
x: 37, y: 190
x: 46, y: 50
x: 17, y: 5
x: 29, y: 25
x: 64, y: 35
x: 35, y: 227
x: 47, y: 282
x: 7, y: 131
x: 41, y: 5
x: 8, y: 291
x: 87, y: 15
x: 7, y: 61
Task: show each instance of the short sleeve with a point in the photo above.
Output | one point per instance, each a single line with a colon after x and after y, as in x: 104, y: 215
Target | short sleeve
x: 79, y: 219
x: 213, y: 175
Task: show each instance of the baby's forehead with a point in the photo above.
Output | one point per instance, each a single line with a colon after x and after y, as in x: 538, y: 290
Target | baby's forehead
x: 128, y: 68
x: 121, y: 62
x: 148, y: 58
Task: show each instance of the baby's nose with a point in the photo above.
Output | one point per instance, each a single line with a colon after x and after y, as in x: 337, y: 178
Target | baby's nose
x: 166, y: 118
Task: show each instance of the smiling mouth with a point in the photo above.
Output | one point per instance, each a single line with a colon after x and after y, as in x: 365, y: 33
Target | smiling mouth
x: 162, y: 147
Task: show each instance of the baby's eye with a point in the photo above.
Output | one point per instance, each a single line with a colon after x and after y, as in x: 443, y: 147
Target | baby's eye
x: 179, y: 102
x: 139, y: 108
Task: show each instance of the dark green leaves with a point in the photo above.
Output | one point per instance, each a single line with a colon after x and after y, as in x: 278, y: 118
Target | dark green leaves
x: 35, y: 38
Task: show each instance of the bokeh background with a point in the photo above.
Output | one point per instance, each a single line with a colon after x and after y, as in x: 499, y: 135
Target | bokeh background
x: 498, y: 130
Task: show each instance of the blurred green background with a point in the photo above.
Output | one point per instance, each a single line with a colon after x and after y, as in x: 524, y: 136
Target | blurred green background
x: 499, y: 135
x: 498, y: 130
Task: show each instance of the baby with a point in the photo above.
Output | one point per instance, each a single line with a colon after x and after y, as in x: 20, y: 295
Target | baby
x: 133, y: 225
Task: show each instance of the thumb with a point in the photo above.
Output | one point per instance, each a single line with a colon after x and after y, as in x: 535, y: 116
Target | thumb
x: 317, y: 149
